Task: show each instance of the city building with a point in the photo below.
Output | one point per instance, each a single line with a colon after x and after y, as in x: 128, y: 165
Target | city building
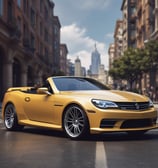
x: 29, y: 42
x: 78, y: 68
x: 154, y: 34
x: 111, y: 53
x: 95, y: 62
x: 139, y: 22
x: 97, y: 70
x: 84, y: 71
x: 70, y: 68
x: 145, y: 21
x: 140, y: 25
x: 63, y: 58
x: 118, y: 39
x: 129, y: 17
x: 56, y: 45
x: 102, y: 76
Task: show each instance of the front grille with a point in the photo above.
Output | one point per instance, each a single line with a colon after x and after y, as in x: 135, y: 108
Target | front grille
x: 139, y: 123
x: 133, y: 105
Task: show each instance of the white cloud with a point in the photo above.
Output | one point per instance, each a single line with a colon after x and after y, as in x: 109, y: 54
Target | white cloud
x: 79, y: 44
x: 71, y: 10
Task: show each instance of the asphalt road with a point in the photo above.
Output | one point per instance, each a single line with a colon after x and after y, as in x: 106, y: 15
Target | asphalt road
x: 40, y: 148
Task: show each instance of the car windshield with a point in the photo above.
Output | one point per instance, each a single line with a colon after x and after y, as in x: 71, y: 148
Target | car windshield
x: 76, y: 83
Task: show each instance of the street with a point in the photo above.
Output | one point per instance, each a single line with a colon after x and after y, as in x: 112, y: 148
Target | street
x: 40, y: 148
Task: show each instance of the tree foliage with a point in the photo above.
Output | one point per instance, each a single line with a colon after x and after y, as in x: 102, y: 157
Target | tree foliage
x: 134, y: 62
x: 151, y: 49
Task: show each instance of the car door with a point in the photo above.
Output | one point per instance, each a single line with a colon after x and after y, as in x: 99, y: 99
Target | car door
x: 39, y: 107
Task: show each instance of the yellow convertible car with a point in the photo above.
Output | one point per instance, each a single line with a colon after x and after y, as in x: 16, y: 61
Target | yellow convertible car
x: 78, y: 106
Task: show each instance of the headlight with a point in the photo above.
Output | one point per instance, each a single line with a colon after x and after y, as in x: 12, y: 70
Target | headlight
x: 103, y: 104
x: 151, y: 103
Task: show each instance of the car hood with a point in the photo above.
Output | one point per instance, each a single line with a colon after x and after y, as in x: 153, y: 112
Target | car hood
x: 111, y: 95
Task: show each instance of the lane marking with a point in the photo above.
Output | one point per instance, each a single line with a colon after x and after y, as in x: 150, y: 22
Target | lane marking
x: 101, y: 159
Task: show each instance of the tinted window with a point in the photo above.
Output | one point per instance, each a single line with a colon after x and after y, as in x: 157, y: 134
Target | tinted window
x: 66, y: 84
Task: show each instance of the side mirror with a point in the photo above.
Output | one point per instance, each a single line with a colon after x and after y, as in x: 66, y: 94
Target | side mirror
x: 43, y: 90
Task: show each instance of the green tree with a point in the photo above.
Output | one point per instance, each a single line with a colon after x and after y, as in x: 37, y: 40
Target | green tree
x: 151, y: 56
x: 135, y: 62
x: 130, y: 66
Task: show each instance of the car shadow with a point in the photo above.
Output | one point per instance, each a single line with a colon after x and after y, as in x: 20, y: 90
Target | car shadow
x: 123, y: 136
x: 46, y: 132
x: 120, y: 136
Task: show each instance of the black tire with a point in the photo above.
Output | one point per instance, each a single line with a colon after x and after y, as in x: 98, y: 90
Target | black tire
x: 75, y: 122
x: 10, y: 118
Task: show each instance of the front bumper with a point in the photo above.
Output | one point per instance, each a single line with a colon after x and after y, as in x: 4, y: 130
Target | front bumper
x: 122, y: 121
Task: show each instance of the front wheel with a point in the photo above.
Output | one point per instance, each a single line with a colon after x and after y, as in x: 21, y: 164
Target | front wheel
x: 10, y: 118
x: 75, y: 122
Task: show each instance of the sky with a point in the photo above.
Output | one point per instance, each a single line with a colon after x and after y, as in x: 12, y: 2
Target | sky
x: 85, y: 23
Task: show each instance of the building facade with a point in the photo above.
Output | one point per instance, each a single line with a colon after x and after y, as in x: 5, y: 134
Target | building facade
x: 63, y: 58
x: 56, y: 45
x: 154, y: 35
x: 129, y: 17
x: 26, y: 42
x: 118, y: 36
x: 140, y: 25
x: 145, y: 21
x: 111, y: 53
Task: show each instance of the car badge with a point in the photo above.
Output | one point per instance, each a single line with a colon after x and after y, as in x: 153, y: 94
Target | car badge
x: 137, y: 106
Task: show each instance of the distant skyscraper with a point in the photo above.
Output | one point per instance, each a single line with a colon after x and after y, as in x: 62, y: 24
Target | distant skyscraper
x: 95, y: 61
x: 78, y: 70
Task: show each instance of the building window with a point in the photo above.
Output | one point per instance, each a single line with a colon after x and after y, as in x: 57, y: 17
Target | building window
x: 56, y: 31
x: 41, y: 49
x: 25, y: 31
x: 56, y: 45
x: 19, y: 23
x: 41, y: 5
x: 46, y: 14
x: 19, y: 3
x: 1, y: 7
x: 41, y: 28
x: 10, y: 11
x: 46, y: 54
x: 25, y: 6
x: 32, y: 17
x: 46, y: 36
x: 32, y: 41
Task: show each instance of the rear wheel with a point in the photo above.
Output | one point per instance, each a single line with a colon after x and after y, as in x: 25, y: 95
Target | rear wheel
x: 10, y: 118
x: 75, y: 122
